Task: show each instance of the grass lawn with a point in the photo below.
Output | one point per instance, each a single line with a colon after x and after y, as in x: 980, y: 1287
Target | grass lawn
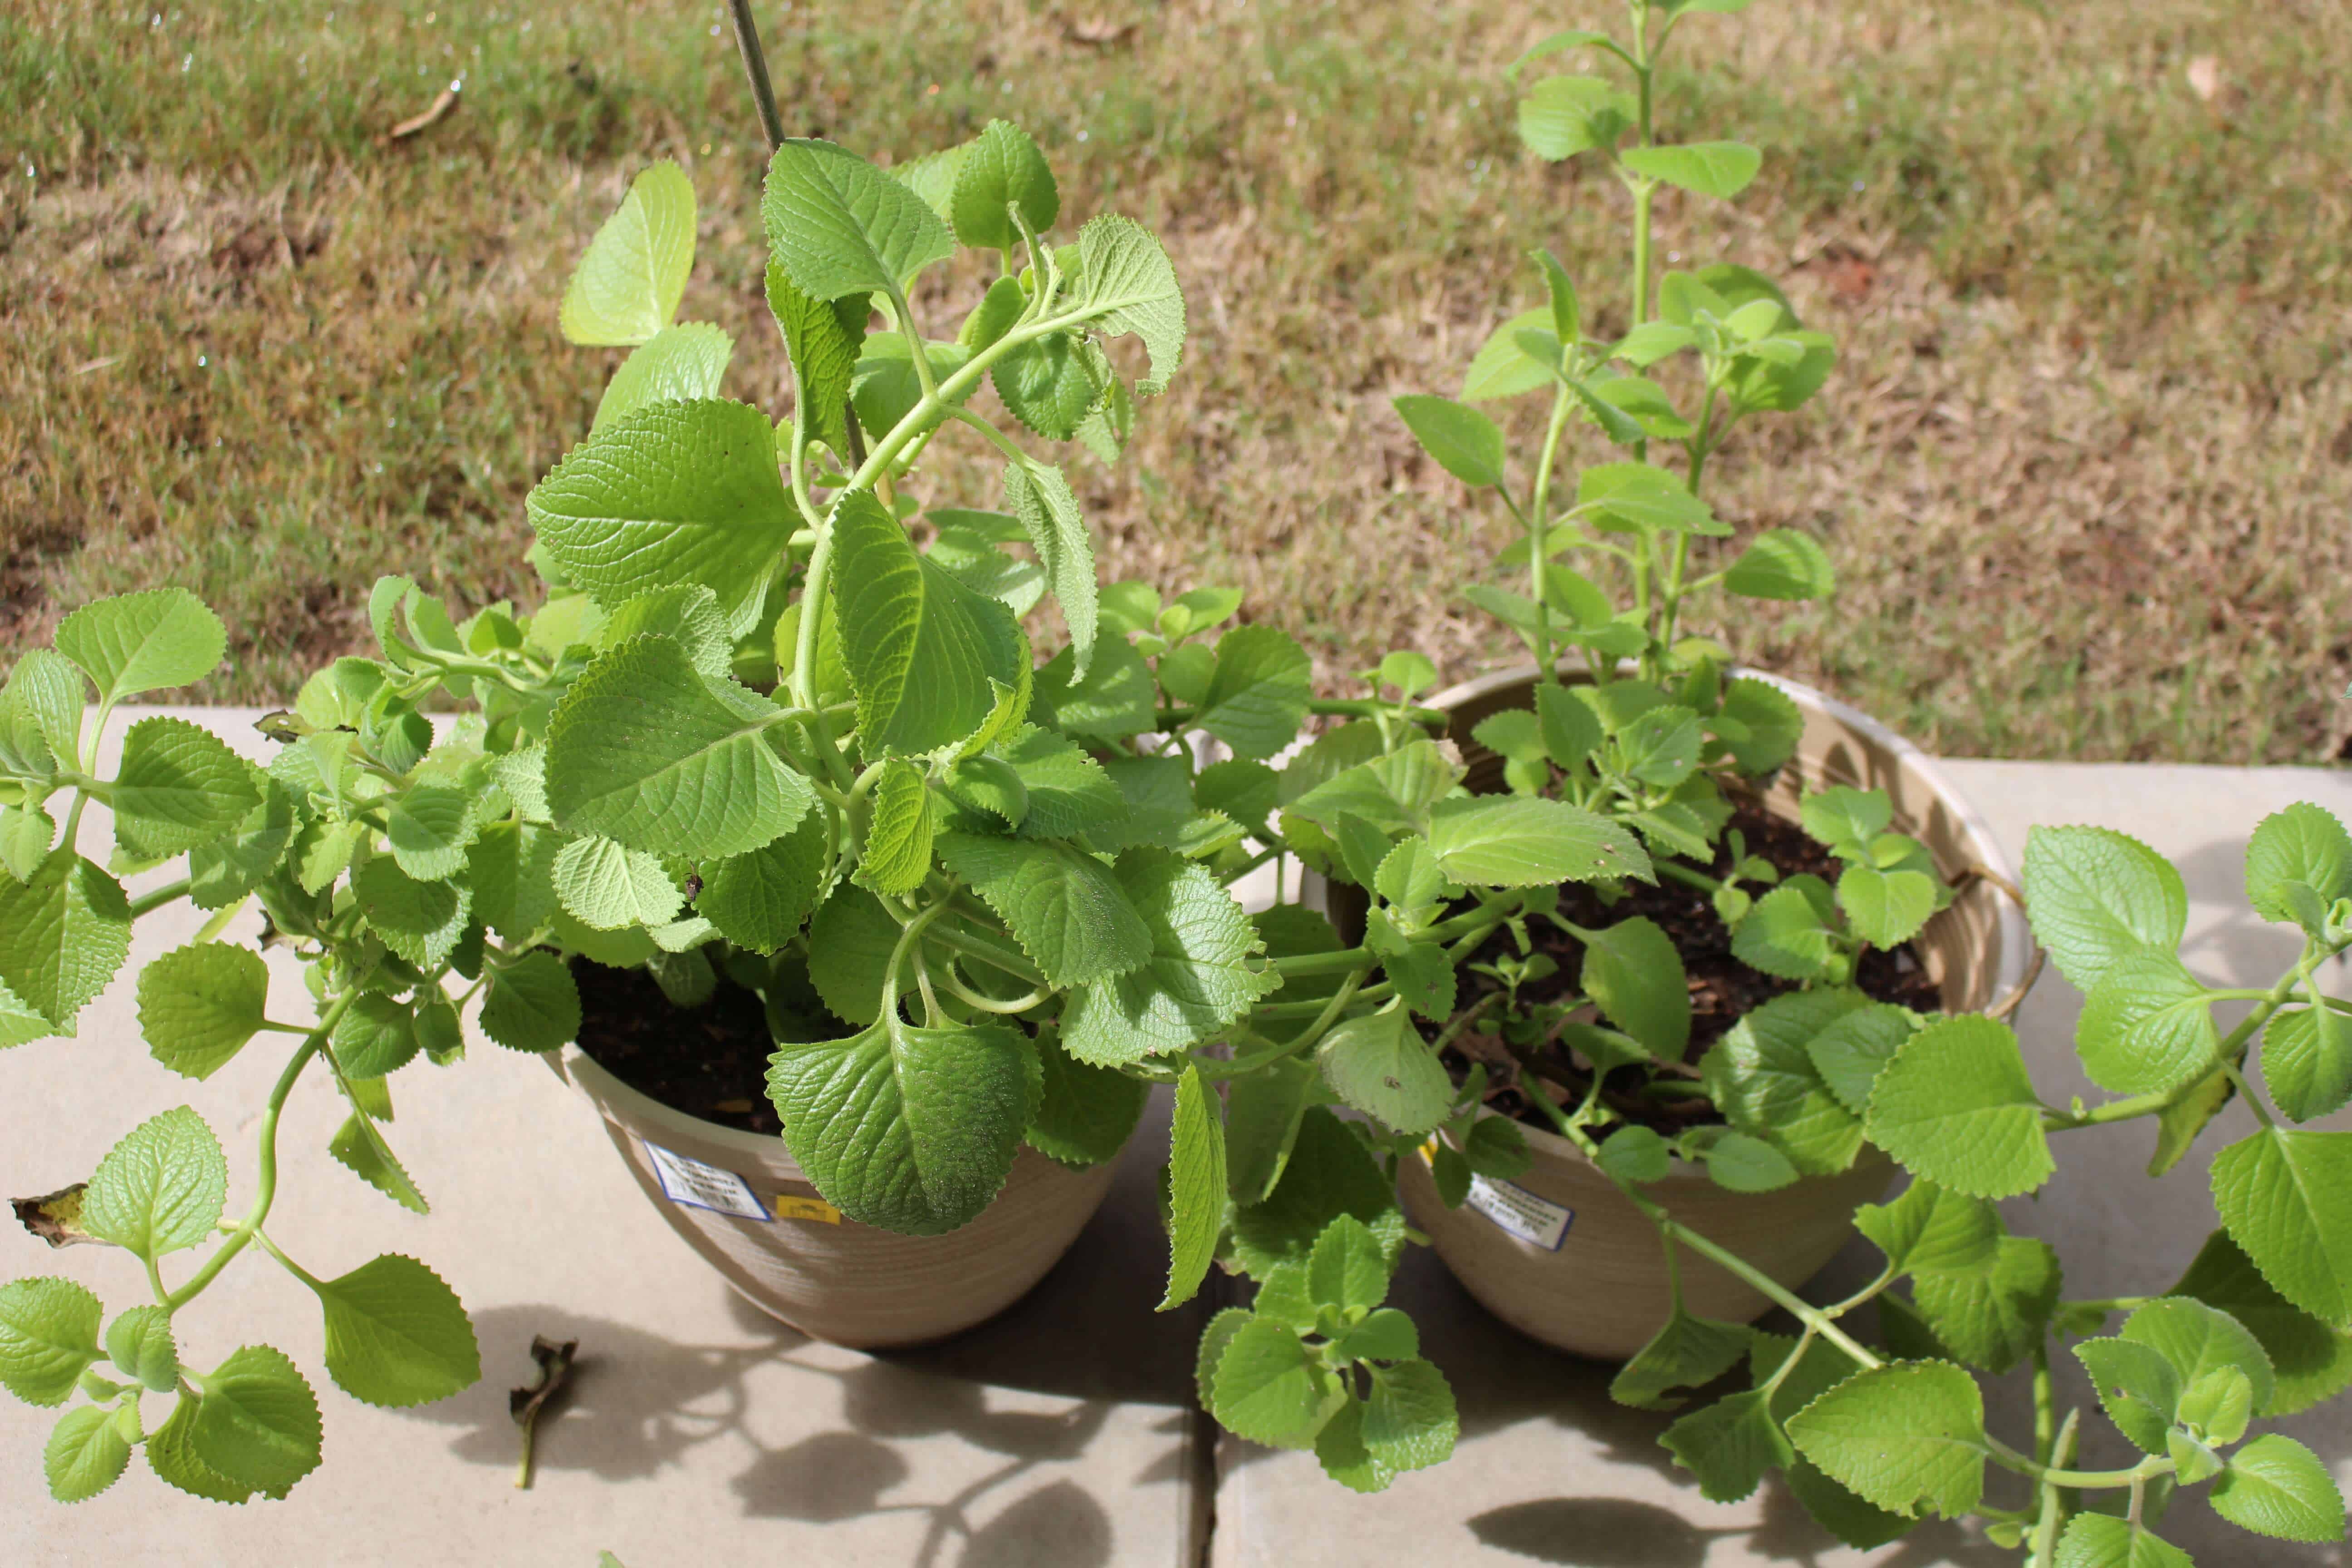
x: 2086, y: 466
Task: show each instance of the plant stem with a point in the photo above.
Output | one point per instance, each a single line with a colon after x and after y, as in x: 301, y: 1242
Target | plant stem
x: 157, y: 898
x: 755, y: 66
x: 2054, y: 1509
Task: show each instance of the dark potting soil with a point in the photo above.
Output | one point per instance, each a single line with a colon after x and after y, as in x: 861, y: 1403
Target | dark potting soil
x: 1723, y: 990
x: 709, y: 1061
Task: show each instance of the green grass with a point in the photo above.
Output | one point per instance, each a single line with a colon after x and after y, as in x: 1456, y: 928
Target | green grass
x: 2086, y: 466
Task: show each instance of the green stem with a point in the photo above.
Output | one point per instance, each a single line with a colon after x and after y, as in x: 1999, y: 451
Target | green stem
x: 292, y: 1267
x: 2053, y: 1516
x: 157, y: 898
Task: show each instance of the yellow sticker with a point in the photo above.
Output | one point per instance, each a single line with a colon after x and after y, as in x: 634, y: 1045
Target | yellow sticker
x: 790, y: 1205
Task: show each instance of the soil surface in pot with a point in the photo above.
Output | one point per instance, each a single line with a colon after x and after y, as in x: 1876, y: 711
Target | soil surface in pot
x: 709, y: 1061
x: 1723, y: 990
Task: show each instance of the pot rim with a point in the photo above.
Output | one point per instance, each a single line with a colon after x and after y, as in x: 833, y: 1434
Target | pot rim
x: 2016, y: 935
x: 634, y: 1106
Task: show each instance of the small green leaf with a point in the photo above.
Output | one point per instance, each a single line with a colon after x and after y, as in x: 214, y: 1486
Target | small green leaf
x: 160, y: 1189
x: 63, y: 934
x: 429, y: 829
x: 2097, y: 897
x: 532, y: 1004
x: 1849, y: 1051
x: 2146, y: 1026
x: 1742, y: 1162
x: 1127, y: 284
x: 49, y: 1336
x: 1329, y: 1172
x: 1503, y: 367
x: 2302, y: 845
x: 86, y: 1454
x: 1930, y: 1230
x: 676, y: 364
x: 2195, y: 1338
x: 2307, y: 1060
x: 229, y: 868
x: 1085, y: 1114
x: 839, y: 225
x: 1410, y: 1419
x: 377, y: 1037
x: 1636, y: 1153
x: 1349, y: 1267
x: 1066, y: 908
x: 1710, y: 168
x: 1688, y: 1351
x: 1258, y: 690
x: 2285, y: 1197
x: 359, y: 1149
x: 138, y: 1342
x: 822, y: 338
x: 1956, y: 1107
x: 178, y: 787
x: 2138, y: 1387
x: 1268, y: 1388
x: 1729, y: 1444
x: 1384, y: 1335
x: 1493, y: 841
x: 198, y: 1006
x: 171, y: 1455
x: 1196, y: 1186
x: 1885, y: 908
x: 2219, y: 1403
x: 627, y: 287
x: 419, y: 920
x: 606, y: 887
x: 2312, y: 1361
x: 2277, y: 1486
x: 1991, y: 1318
x: 1195, y: 980
x: 396, y: 1334
x: 899, y: 836
x: 1002, y: 167
x: 1041, y: 498
x: 258, y: 1423
x: 1379, y: 1064
x: 1785, y: 933
x: 1632, y: 970
x: 140, y: 642
x: 1561, y: 116
x: 1465, y: 443
x: 1900, y: 1435
x: 2102, y: 1540
x: 911, y: 1128
x: 1761, y: 1075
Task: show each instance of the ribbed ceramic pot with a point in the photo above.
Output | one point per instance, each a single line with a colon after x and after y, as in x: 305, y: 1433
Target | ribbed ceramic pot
x: 740, y: 1201
x: 1559, y: 1255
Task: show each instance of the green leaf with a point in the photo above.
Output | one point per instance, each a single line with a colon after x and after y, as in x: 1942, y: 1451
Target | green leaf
x: 1688, y: 1351
x: 226, y: 869
x: 1259, y: 691
x: 86, y: 1454
x: 1729, y: 1444
x: 376, y: 1037
x: 1782, y: 563
x: 1410, y: 1421
x: 1329, y: 1172
x: 63, y: 934
x: 627, y: 287
x: 138, y: 1342
x: 1066, y: 908
x: 1885, y: 908
x: 1900, y: 1435
x: 911, y: 1128
x: 396, y: 1335
x: 258, y: 1423
x: 1085, y: 1114
x: 760, y: 900
x: 1127, y: 284
x: 606, y: 887
x: 360, y: 1149
x: 1710, y: 168
x: 1561, y: 116
x: 141, y: 642
x: 899, y: 836
x: 1040, y: 496
x: 419, y: 920
x: 1859, y: 1524
x: 1503, y: 367
x: 2312, y: 1361
x: 1743, y: 1162
x: 1991, y: 1317
x: 1465, y: 443
x: 160, y: 1189
x: 1930, y: 1230
x: 1761, y: 1075
x: 1499, y: 842
x: 2195, y: 1337
x: 1786, y: 932
x: 1632, y: 970
x: 2097, y: 897
x: 2146, y: 1026
x: 1768, y: 725
x: 2285, y: 1197
x: 922, y: 649
x: 2102, y: 1540
x: 674, y: 493
x: 1379, y: 1064
x: 1642, y: 497
x: 178, y: 787
x: 1849, y: 1051
x: 850, y: 939
x: 1196, y: 1186
x: 2302, y: 845
x: 1268, y: 1388
x: 171, y: 1455
x: 1636, y: 1153
x: 2138, y: 1387
x: 1002, y: 167
x: 2307, y: 1060
x: 677, y: 364
x: 838, y: 226
x: 1113, y: 700
x: 822, y: 338
x: 1195, y: 980
x: 198, y: 1006
x: 2277, y: 1486
x: 49, y: 1336
x: 1955, y: 1106
x: 532, y: 1004
x: 1348, y: 1269
x: 429, y: 829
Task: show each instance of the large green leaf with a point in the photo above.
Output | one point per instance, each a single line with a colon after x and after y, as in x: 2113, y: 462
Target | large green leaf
x: 1127, y: 284
x: 1632, y: 970
x: 926, y: 654
x: 1761, y: 1075
x: 1900, y: 1435
x: 1930, y: 1230
x: 48, y: 1334
x: 911, y: 1128
x: 1329, y: 1172
x: 999, y: 168
x: 674, y: 493
x: 2277, y: 1486
x: 396, y: 1334
x: 627, y: 287
x: 258, y: 1423
x: 63, y: 934
x: 2312, y: 1362
x: 1379, y: 1064
x: 178, y: 787
x: 1729, y: 1444
x: 1040, y: 496
x: 2195, y: 1337
x: 2097, y: 897
x: 2146, y: 1026
x: 428, y: 829
x: 1852, y: 1049
x: 1066, y: 908
x: 2286, y: 1196
x: 419, y: 920
x: 1269, y: 1388
x: 649, y: 753
x: 161, y: 1188
x: 140, y: 642
x: 1259, y: 691
x: 532, y: 1004
x: 87, y: 1451
x: 1992, y: 1317
x: 605, y: 886
x: 1521, y: 842
x: 837, y: 225
x: 2302, y: 845
x: 1196, y: 1186
x: 1195, y: 980
x: 199, y: 1004
x: 1955, y: 1106
x: 759, y: 900
x: 1085, y: 1114
x: 676, y: 364
x: 2307, y: 1060
x: 1710, y: 168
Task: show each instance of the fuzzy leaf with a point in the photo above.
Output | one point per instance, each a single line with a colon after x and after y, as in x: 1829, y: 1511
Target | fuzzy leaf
x: 48, y: 1334
x: 1900, y: 1435
x: 1040, y: 496
x: 1762, y: 1075
x: 1956, y: 1107
x: 627, y: 287
x: 258, y: 1425
x: 1991, y: 1317
x: 2285, y: 1197
x: 2302, y: 845
x: 2146, y: 1025
x: 532, y: 1005
x: 2312, y: 1362
x: 63, y: 934
x: 396, y: 1334
x: 1688, y: 1351
x: 198, y: 1006
x: 1729, y: 1444
x: 86, y: 1453
x: 838, y: 226
x: 606, y: 887
x: 2097, y: 897
x: 821, y: 339
x: 2277, y: 1486
x: 1085, y: 1114
x: 1632, y: 970
x: 1379, y: 1064
x: 1465, y: 443
x: 134, y: 643
x: 161, y: 1188
x: 1127, y: 285
x: 2102, y: 1540
x: 1497, y: 842
x: 999, y: 168
x: 1066, y: 908
x: 1194, y: 980
x: 178, y: 787
x: 2307, y: 1060
x: 676, y: 364
x: 1196, y: 1186
x: 1710, y: 168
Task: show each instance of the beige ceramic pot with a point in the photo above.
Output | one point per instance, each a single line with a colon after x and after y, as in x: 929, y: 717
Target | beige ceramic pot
x: 739, y: 1200
x: 1559, y: 1255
